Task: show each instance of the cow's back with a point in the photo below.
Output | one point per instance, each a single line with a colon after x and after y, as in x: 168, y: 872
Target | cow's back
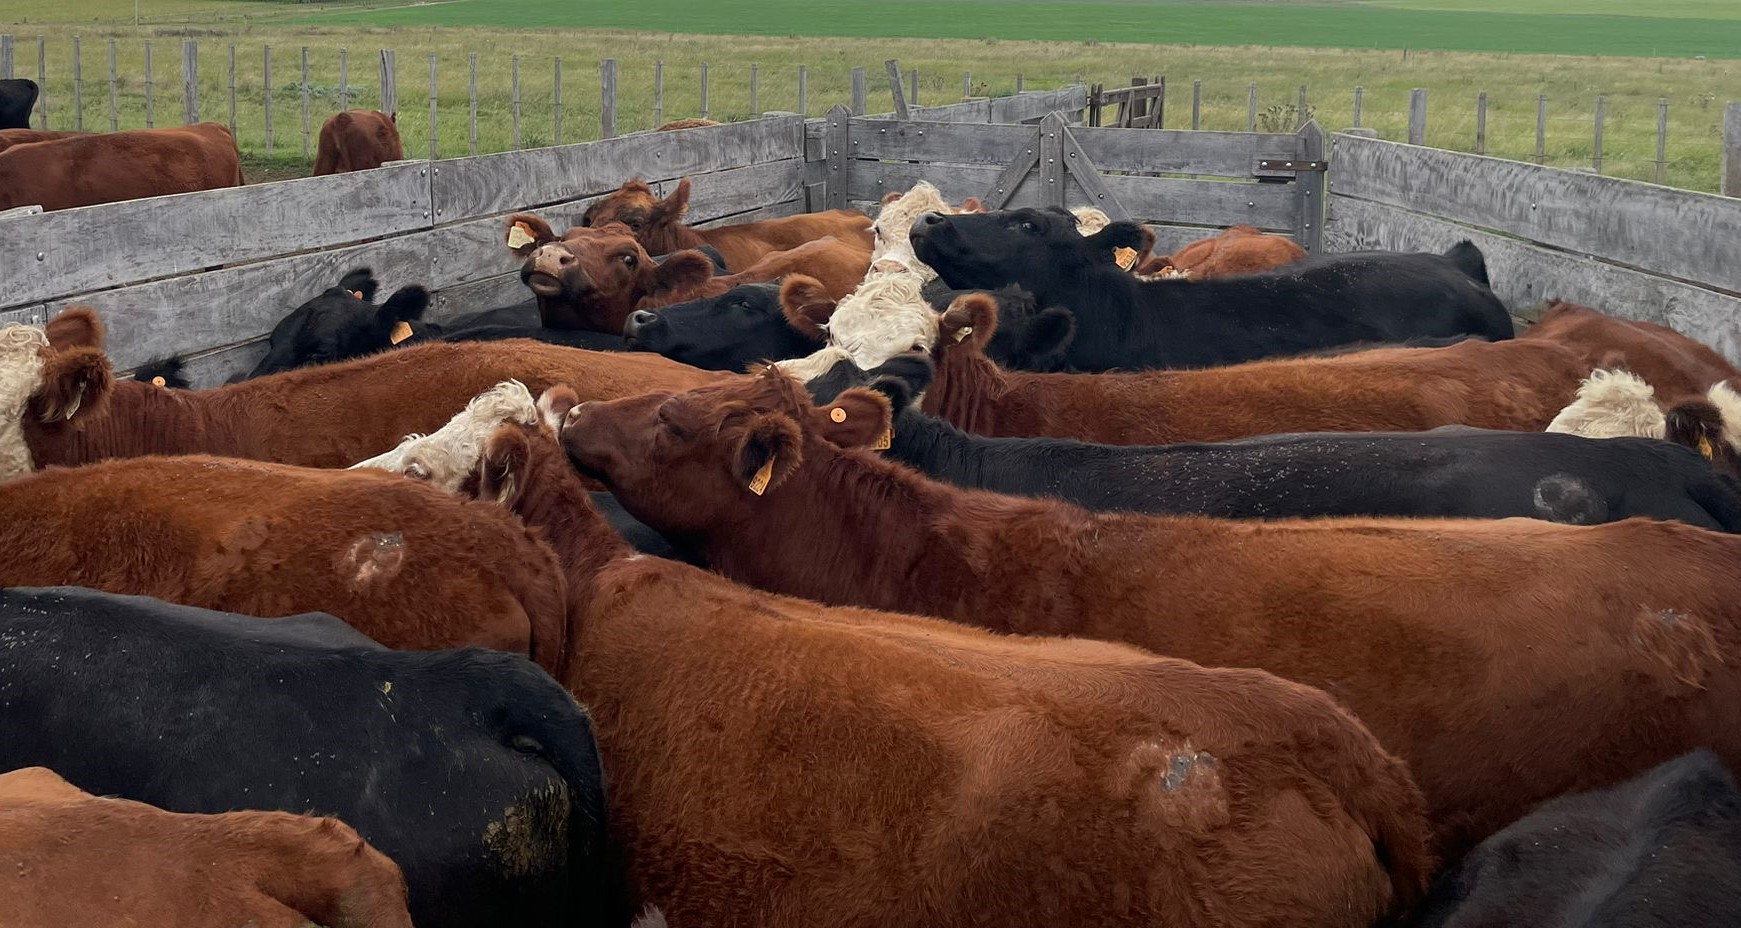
x: 1675, y: 365
x: 109, y: 167
x: 357, y: 140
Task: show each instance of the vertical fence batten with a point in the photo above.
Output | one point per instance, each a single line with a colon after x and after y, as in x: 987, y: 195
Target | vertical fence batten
x: 1661, y: 137
x: 189, y: 82
x: 1251, y: 107
x: 607, y: 93
x: 231, y: 75
x: 434, y: 112
x: 1196, y: 104
x: 556, y: 128
x: 150, y: 88
x: 1301, y: 110
x: 1417, y: 117
x: 705, y: 109
x: 79, y: 90
x: 858, y: 92
x: 900, y: 99
x: 344, y: 79
x: 515, y: 96
x: 1731, y: 183
x: 471, y: 87
x: 42, y: 79
x: 658, y: 94
x: 6, y: 57
x: 966, y: 84
x: 803, y: 90
x: 1541, y: 128
x: 1481, y: 123
x: 389, y: 82
x: 913, y: 79
x: 305, y: 92
x: 1359, y: 95
x: 1601, y: 118
x: 755, y: 91
x: 115, y: 92
x: 266, y: 80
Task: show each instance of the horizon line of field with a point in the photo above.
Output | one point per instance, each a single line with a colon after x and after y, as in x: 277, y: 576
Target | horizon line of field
x: 1278, y: 117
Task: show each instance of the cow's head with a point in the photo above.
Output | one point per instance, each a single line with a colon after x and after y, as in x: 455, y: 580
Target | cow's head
x: 653, y: 221
x: 695, y: 464
x: 448, y: 455
x: 1026, y: 337
x: 972, y: 323
x: 594, y: 276
x: 56, y: 376
x: 1040, y: 249
x: 728, y: 332
x: 901, y: 378
x: 894, y: 221
x: 885, y: 316
x: 342, y: 323
x: 17, y: 98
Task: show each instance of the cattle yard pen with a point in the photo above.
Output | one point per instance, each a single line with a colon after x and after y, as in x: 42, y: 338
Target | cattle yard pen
x: 204, y: 276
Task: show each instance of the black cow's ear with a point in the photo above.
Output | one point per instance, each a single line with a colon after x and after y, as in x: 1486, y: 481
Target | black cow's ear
x: 681, y: 272
x: 858, y: 418
x: 526, y: 232
x: 769, y: 451
x: 903, y: 377
x: 405, y: 305
x: 970, y: 320
x: 1048, y: 333
x: 806, y: 305
x: 1119, y: 235
x: 672, y: 208
x: 361, y: 284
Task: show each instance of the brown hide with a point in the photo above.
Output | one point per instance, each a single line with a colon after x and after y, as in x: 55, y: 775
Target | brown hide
x: 658, y: 224
x: 1675, y: 365
x: 114, y: 166
x: 690, y: 123
x: 1239, y: 250
x: 1506, y: 662
x: 776, y: 763
x: 338, y: 414
x: 11, y: 137
x: 399, y: 561
x: 357, y: 140
x: 1519, y: 385
x: 73, y: 859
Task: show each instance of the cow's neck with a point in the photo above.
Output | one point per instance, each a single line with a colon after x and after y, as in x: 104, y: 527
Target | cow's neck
x: 143, y: 419
x: 966, y: 391
x: 673, y: 236
x: 554, y: 501
x: 937, y: 448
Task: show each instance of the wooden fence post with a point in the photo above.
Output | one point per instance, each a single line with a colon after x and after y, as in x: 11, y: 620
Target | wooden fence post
x: 1481, y: 123
x: 114, y: 91
x: 231, y: 73
x: 607, y: 94
x: 1310, y: 187
x: 966, y: 84
x: 150, y: 87
x: 471, y: 87
x: 305, y: 93
x: 42, y: 78
x: 1417, y: 117
x: 434, y: 112
x: 344, y: 79
x: 858, y: 92
x: 1541, y: 128
x: 755, y: 90
x: 556, y: 128
x: 894, y: 67
x: 189, y: 82
x: 834, y: 151
x: 266, y: 80
x: 78, y: 89
x: 658, y: 94
x: 1251, y: 107
x: 1196, y: 104
x: 913, y: 79
x: 1300, y: 110
x: 1601, y: 118
x: 516, y: 101
x: 6, y: 57
x: 389, y: 82
x: 803, y: 90
x: 1661, y: 137
x: 1731, y: 185
x: 1359, y: 98
x: 1052, y: 159
x: 1021, y: 84
x: 704, y: 101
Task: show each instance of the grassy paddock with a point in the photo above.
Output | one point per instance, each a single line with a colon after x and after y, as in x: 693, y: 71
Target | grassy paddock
x: 1695, y: 89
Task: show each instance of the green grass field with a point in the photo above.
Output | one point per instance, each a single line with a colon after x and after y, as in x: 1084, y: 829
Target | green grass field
x: 1695, y: 89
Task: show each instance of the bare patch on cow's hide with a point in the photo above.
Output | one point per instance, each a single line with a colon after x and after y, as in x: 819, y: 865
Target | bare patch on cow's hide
x: 20, y: 376
x: 532, y: 836
x: 1611, y: 404
x: 1681, y: 646
x: 1569, y: 500
x: 1178, y: 785
x: 446, y: 456
x: 374, y: 558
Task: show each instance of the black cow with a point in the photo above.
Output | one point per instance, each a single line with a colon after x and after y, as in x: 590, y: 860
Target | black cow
x: 1125, y: 322
x: 1662, y: 849
x: 17, y: 97
x: 341, y: 323
x: 638, y: 534
x: 1448, y: 472
x: 472, y: 769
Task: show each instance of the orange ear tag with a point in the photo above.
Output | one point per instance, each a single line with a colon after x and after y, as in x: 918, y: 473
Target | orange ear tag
x: 1125, y: 257
x: 884, y: 441
x: 160, y: 382
x: 837, y: 414
x: 401, y: 332
x: 357, y: 293
x: 1705, y: 447
x: 759, y: 483
x: 963, y: 332
x: 518, y: 237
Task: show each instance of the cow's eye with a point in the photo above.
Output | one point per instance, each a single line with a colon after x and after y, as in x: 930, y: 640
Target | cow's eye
x: 628, y: 260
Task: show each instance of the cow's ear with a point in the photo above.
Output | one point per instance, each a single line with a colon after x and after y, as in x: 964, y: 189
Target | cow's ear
x: 405, y: 305
x: 1142, y: 251
x: 75, y: 384
x: 554, y: 404
x: 892, y: 196
x: 672, y: 208
x: 972, y: 205
x: 806, y: 305
x: 1048, y: 333
x: 75, y: 327
x: 769, y: 450
x: 682, y: 272
x: 526, y: 232
x: 858, y: 418
x: 970, y: 320
x: 1118, y: 235
x: 903, y: 377
x: 361, y: 284
x: 501, y: 473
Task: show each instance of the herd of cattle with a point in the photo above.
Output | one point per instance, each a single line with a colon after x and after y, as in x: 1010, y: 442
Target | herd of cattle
x: 959, y: 567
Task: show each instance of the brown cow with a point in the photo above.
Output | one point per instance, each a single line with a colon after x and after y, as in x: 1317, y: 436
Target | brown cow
x: 1675, y: 366
x: 357, y: 140
x: 1238, y: 250
x: 1507, y: 662
x: 112, y: 166
x: 593, y: 277
x: 71, y: 858
x: 401, y: 562
x: 11, y: 137
x: 60, y: 403
x: 1513, y: 384
x: 658, y: 225
x: 693, y: 122
x: 777, y: 763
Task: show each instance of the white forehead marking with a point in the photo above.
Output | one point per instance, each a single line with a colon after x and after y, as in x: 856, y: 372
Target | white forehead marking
x: 450, y: 453
x: 20, y: 377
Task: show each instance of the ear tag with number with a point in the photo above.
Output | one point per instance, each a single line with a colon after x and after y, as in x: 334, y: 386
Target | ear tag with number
x: 518, y: 237
x: 884, y: 441
x: 759, y: 483
x: 963, y: 332
x: 401, y: 332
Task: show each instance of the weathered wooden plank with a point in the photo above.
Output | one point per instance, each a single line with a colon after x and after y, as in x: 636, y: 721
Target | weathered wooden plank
x: 1050, y: 184
x: 1014, y: 174
x: 1677, y: 233
x: 1525, y: 274
x: 1037, y: 104
x: 206, y: 369
x: 975, y: 111
x: 508, y: 181
x: 199, y: 312
x: 1311, y: 188
x: 1177, y: 151
x: 96, y: 247
x: 497, y: 291
x: 836, y: 147
x: 1081, y: 169
x: 24, y: 315
x: 1205, y: 202
x: 768, y: 211
x: 870, y: 180
x: 891, y: 140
